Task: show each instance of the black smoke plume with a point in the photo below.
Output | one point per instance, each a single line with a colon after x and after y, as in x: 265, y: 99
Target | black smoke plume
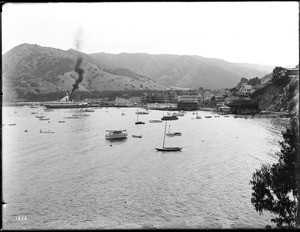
x: 80, y: 72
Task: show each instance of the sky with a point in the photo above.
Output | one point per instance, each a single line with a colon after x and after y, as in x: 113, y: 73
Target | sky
x: 247, y: 32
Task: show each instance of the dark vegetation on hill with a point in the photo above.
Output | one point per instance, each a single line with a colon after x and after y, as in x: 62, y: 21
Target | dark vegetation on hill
x: 32, y: 69
x: 281, y: 94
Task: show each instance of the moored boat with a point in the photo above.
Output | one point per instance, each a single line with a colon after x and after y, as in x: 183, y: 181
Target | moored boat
x: 169, y: 117
x: 116, y: 134
x: 48, y: 110
x: 89, y: 110
x: 66, y: 103
x: 163, y: 148
x: 44, y: 119
x: 155, y: 121
x: 173, y: 133
x: 46, y: 132
x: 137, y: 121
x: 70, y: 117
x: 179, y: 114
x: 141, y: 112
x: 169, y: 149
x: 137, y: 136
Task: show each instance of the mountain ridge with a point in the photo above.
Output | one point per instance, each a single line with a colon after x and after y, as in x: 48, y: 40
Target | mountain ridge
x: 37, y: 69
x: 160, y: 66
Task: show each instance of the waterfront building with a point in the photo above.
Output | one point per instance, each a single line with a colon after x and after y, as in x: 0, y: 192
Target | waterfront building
x: 224, y: 109
x: 187, y: 98
x: 135, y: 100
x: 188, y: 102
x: 241, y: 105
x: 156, y: 98
x: 122, y: 102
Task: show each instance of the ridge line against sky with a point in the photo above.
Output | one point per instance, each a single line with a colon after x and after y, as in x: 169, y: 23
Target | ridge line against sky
x: 240, y: 32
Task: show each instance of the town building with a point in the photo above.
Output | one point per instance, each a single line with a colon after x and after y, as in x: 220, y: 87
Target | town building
x: 246, y: 90
x: 188, y: 102
x: 293, y: 72
x: 257, y: 87
x: 241, y: 105
x: 219, y: 98
x: 208, y: 95
x: 135, y: 100
x: 122, y: 102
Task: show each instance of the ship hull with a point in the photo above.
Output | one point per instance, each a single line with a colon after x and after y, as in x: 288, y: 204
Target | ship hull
x: 65, y: 106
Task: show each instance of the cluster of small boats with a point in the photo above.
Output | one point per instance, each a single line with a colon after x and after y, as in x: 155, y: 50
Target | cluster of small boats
x: 122, y: 134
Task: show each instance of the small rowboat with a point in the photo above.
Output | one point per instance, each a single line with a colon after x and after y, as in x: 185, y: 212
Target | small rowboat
x: 44, y: 119
x: 155, y: 121
x: 137, y: 136
x: 169, y: 149
x: 139, y: 122
x: 46, y: 132
x: 174, y: 134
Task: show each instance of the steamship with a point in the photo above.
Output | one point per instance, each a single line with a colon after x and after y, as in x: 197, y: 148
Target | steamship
x: 65, y: 103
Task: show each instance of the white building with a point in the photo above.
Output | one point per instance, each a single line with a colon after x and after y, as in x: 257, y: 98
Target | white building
x: 122, y: 102
x: 246, y: 90
x: 208, y: 95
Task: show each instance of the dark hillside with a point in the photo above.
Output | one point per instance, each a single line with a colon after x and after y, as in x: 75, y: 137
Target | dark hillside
x: 278, y: 98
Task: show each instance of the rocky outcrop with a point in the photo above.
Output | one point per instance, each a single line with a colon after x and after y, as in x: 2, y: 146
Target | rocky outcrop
x: 278, y: 98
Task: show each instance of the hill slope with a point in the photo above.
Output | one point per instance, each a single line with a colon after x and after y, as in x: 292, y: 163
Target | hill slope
x: 181, y: 71
x: 36, y: 69
x: 277, y: 98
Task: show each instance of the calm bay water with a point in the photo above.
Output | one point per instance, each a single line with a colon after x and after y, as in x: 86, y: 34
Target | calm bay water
x: 75, y: 179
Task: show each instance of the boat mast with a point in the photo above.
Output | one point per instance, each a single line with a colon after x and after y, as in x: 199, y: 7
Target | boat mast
x: 165, y: 135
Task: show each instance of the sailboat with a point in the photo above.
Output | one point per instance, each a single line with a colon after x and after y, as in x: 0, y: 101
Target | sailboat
x: 173, y: 133
x: 168, y: 148
x: 198, y: 117
x: 137, y: 121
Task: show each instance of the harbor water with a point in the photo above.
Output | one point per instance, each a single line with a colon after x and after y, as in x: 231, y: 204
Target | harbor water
x: 76, y: 179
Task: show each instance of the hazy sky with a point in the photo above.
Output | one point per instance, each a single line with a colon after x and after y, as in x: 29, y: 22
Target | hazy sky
x: 252, y: 32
